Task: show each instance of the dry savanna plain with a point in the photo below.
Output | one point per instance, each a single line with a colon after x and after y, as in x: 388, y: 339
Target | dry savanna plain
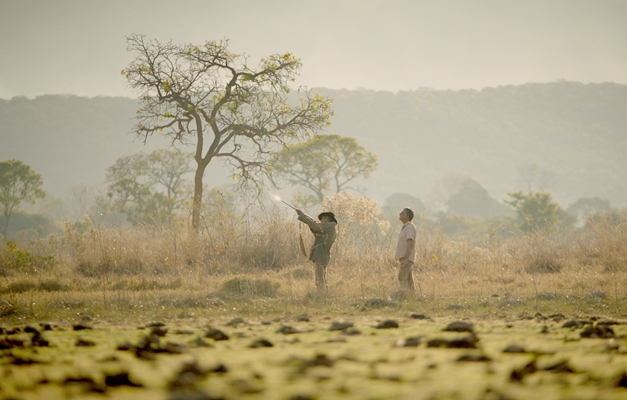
x: 232, y: 313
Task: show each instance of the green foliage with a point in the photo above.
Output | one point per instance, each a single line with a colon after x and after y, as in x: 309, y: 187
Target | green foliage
x: 18, y: 183
x: 149, y: 188
x: 535, y: 211
x: 209, y: 96
x: 14, y: 259
x: 323, y: 164
x: 30, y: 225
x: 563, y: 127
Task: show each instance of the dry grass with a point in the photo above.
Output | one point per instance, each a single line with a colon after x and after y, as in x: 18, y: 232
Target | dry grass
x: 253, y: 264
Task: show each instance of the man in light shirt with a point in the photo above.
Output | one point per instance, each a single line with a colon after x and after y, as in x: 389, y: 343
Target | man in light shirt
x: 406, y: 249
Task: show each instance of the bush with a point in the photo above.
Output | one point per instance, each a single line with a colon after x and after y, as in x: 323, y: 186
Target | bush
x: 46, y: 285
x: 13, y: 259
x: 242, y: 286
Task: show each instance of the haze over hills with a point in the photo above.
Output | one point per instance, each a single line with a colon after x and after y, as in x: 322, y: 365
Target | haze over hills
x: 574, y: 132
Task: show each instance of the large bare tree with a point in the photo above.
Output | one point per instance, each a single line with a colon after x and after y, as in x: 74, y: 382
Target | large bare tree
x: 210, y: 97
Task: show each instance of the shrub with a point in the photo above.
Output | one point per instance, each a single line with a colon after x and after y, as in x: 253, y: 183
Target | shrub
x: 45, y: 285
x: 14, y: 259
x: 242, y: 286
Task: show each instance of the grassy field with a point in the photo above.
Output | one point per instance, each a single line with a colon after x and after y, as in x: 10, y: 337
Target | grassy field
x: 231, y: 312
x: 377, y: 349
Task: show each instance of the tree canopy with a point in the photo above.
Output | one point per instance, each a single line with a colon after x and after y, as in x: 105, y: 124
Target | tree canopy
x: 18, y: 183
x: 209, y: 96
x: 149, y: 187
x: 325, y: 164
x: 537, y: 211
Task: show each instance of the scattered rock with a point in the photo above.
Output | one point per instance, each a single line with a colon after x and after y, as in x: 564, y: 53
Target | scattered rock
x: 459, y: 326
x: 38, y: 341
x: 597, y: 331
x: 155, y: 325
x: 351, y: 331
x: 517, y: 375
x: 89, y: 384
x: 474, y: 358
x: 120, y: 379
x: 216, y: 335
x: 413, y: 341
x: 318, y: 360
x: 84, y: 343
x: 189, y: 374
x: 260, y: 343
x: 387, y: 324
x: 18, y: 360
x: 572, y: 324
x: 288, y: 330
x: 418, y: 316
x: 46, y: 326
x: 559, y: 367
x: 81, y: 327
x: 302, y: 318
x: 465, y: 342
x: 6, y: 344
x: 340, y: 326
x: 172, y: 348
x: 514, y: 348
x: 124, y: 346
x: 200, y: 343
x: 235, y: 322
x: 159, y: 331
x: 609, y: 322
x: 220, y: 369
x: 301, y: 397
x: 557, y: 317
x: 438, y: 342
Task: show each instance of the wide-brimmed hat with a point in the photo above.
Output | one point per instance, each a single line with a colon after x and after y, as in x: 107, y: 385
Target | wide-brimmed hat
x: 328, y: 214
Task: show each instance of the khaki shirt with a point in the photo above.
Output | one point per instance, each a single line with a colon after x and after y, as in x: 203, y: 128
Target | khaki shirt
x: 407, y: 232
x: 324, y: 233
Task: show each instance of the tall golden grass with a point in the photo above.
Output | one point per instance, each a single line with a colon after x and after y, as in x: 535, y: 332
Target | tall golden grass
x: 252, y: 263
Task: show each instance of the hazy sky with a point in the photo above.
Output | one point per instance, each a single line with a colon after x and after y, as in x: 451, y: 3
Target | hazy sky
x: 78, y: 46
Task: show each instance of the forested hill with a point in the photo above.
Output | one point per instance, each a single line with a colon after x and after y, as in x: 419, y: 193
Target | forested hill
x: 576, y: 132
x: 573, y: 131
x: 69, y: 140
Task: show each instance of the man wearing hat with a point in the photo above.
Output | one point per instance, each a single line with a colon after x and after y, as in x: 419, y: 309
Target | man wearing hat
x: 324, y: 233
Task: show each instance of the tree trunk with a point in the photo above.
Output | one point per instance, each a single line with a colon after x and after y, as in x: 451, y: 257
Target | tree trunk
x: 197, y: 203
